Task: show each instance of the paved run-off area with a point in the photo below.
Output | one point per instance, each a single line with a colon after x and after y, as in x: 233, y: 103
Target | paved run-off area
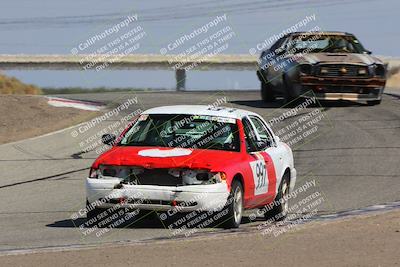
x: 371, y: 240
x: 353, y: 157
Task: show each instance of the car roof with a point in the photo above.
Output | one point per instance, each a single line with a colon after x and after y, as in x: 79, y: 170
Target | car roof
x: 218, y: 111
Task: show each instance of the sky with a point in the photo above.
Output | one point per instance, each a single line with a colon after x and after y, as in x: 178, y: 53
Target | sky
x: 58, y: 26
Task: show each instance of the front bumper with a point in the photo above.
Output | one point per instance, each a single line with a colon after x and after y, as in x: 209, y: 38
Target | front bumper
x: 347, y: 96
x: 154, y: 197
x: 339, y: 88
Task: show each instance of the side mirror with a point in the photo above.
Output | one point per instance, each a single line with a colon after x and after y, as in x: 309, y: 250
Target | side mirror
x: 367, y: 52
x: 108, y: 139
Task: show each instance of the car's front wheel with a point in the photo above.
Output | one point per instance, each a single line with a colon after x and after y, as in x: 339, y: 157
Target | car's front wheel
x: 234, y: 206
x: 374, y: 102
x: 288, y: 99
x: 267, y: 94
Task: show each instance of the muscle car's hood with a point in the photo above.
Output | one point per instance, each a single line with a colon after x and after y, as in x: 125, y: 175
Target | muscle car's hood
x: 153, y: 157
x: 346, y: 58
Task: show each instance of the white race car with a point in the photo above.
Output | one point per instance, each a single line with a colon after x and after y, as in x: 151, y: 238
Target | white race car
x: 193, y: 158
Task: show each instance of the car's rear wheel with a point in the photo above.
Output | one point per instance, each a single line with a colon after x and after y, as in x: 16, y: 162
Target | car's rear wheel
x: 234, y: 206
x: 267, y: 94
x: 374, y: 102
x: 279, y: 211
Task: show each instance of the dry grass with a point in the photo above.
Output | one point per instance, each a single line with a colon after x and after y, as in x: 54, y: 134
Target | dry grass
x: 393, y: 78
x: 12, y: 86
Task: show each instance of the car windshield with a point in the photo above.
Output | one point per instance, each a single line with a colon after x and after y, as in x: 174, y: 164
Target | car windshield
x: 184, y: 131
x: 325, y: 44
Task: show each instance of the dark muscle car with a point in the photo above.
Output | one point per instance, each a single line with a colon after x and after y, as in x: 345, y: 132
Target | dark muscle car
x: 325, y: 65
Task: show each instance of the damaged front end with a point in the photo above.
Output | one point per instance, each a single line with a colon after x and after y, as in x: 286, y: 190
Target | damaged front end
x: 161, y: 177
x: 156, y: 188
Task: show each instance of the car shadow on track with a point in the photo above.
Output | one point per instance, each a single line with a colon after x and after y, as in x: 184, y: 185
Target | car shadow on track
x: 148, y: 222
x: 258, y: 103
x: 144, y: 223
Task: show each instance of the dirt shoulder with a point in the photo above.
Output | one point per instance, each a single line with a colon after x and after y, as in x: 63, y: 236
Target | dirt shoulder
x: 371, y: 240
x: 394, y: 81
x: 23, y: 116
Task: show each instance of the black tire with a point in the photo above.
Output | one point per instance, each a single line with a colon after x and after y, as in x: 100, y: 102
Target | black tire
x: 235, y: 212
x: 374, y: 102
x: 287, y: 98
x: 267, y: 94
x: 279, y: 212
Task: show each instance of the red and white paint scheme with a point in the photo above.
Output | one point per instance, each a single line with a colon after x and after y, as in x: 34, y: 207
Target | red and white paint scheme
x: 195, y: 157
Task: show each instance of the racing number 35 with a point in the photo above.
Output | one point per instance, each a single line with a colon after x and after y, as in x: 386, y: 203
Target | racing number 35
x: 260, y: 177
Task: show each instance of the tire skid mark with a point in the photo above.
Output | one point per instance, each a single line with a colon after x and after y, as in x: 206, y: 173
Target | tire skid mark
x: 30, y: 153
x: 43, y: 178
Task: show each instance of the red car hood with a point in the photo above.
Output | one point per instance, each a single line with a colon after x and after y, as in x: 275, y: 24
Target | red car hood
x: 213, y: 160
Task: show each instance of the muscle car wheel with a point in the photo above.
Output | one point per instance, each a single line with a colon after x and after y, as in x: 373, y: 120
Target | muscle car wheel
x: 234, y: 207
x: 373, y: 102
x: 287, y: 97
x: 267, y: 95
x: 280, y: 211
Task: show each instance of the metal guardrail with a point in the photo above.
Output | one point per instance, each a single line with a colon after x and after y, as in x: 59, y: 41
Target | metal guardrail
x: 139, y: 61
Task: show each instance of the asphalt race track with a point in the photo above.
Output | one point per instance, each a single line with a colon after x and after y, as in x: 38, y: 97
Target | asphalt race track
x: 354, y: 158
